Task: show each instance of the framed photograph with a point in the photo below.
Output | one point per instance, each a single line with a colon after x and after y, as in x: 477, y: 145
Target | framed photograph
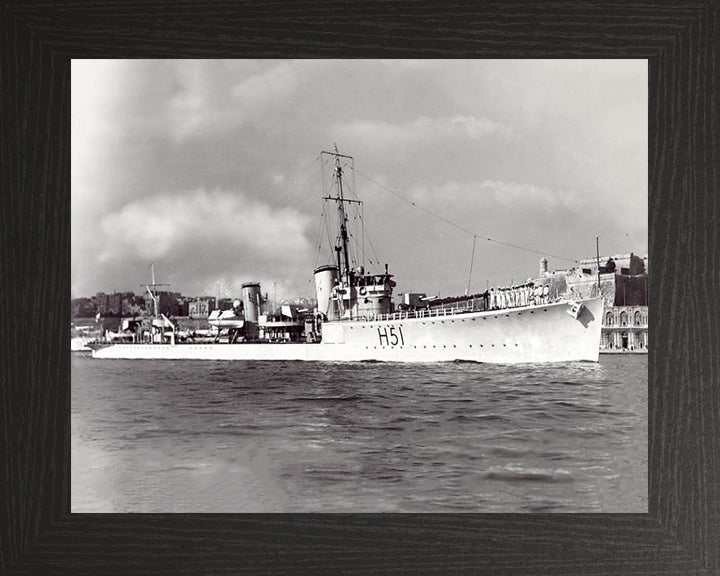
x: 313, y: 333
x: 150, y: 501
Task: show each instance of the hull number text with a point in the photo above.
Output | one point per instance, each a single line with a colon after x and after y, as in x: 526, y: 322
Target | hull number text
x: 391, y: 336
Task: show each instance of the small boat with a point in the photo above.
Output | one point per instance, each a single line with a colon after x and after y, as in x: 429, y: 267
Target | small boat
x: 82, y: 336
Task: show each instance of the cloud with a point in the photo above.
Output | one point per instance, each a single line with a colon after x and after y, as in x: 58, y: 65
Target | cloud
x: 198, y: 220
x: 421, y: 130
x: 279, y: 80
x: 207, y: 100
x: 491, y: 194
x: 550, y: 153
x: 513, y: 194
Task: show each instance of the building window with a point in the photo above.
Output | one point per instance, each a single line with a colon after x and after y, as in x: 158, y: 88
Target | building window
x: 609, y: 319
x: 623, y: 318
x: 638, y: 318
x: 605, y: 341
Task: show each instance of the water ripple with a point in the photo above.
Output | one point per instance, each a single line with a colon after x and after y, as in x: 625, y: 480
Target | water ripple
x: 293, y: 436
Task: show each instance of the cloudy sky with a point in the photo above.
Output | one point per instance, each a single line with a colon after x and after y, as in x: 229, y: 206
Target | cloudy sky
x: 211, y: 170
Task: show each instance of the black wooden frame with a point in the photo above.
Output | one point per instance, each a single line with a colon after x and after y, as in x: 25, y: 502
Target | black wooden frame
x: 681, y: 532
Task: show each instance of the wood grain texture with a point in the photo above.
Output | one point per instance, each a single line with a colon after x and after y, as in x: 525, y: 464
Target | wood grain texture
x: 681, y: 533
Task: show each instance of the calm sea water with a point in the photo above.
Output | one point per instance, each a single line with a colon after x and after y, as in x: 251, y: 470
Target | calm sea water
x: 202, y: 436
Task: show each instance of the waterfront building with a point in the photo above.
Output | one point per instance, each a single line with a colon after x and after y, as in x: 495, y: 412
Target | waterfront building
x: 101, y: 302
x: 83, y: 308
x: 622, y: 280
x: 115, y: 304
x: 167, y: 303
x: 201, y: 307
x: 183, y: 307
x: 624, y: 328
x: 133, y: 306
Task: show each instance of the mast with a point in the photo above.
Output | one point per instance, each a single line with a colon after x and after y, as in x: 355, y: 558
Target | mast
x: 343, y: 254
x: 597, y: 255
x: 343, y: 216
x: 152, y: 292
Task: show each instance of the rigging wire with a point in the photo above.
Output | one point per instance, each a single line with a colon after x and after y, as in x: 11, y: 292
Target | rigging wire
x: 351, y: 246
x: 359, y: 213
x: 377, y: 259
x: 330, y: 242
x: 472, y: 259
x: 319, y: 235
x: 362, y: 231
x: 359, y: 209
x: 462, y: 228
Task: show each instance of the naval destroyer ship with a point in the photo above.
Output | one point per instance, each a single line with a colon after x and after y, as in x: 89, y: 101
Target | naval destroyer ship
x: 356, y: 320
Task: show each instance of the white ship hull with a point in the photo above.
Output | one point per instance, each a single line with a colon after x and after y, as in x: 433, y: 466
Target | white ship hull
x: 545, y: 333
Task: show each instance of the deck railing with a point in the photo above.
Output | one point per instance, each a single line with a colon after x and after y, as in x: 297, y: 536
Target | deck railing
x: 439, y: 312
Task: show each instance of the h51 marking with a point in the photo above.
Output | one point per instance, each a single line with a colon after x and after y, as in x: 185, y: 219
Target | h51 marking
x: 391, y: 336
